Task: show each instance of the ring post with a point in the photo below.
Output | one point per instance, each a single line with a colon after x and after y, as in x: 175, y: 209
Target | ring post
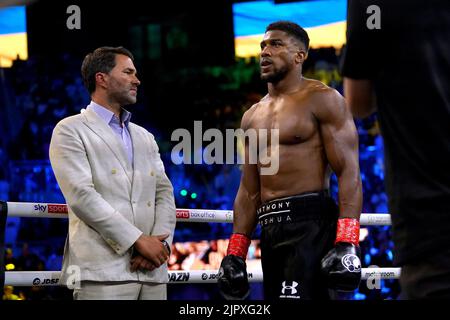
x: 3, y: 214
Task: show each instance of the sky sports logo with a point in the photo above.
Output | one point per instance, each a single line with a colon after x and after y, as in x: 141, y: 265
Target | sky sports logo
x: 183, y: 214
x: 51, y: 208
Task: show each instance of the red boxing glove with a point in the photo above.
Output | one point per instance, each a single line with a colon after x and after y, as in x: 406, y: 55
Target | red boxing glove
x: 238, y: 245
x: 347, y: 231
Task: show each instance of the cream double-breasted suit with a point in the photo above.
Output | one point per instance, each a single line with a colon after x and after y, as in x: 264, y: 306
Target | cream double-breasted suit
x: 111, y: 202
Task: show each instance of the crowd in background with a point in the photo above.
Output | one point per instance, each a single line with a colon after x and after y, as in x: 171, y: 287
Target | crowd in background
x: 39, y: 92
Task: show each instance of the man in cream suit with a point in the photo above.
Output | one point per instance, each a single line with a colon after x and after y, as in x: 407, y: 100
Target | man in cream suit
x: 121, y: 205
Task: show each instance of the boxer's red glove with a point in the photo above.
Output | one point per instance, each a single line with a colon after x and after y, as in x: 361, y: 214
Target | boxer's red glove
x: 233, y: 280
x: 342, y: 264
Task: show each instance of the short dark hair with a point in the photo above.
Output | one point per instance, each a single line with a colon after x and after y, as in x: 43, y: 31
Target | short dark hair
x: 102, y: 59
x: 292, y: 29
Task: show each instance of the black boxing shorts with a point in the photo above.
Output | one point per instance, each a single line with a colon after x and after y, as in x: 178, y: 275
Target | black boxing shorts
x: 296, y: 233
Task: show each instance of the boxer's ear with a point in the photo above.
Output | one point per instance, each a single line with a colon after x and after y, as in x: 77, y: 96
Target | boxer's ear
x: 301, y: 56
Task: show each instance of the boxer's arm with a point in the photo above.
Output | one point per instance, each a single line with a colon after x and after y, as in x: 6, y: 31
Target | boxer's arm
x: 233, y: 279
x: 248, y: 197
x: 247, y: 201
x: 340, y: 140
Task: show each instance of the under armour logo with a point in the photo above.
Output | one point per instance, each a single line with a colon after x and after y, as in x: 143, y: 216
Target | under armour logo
x: 351, y: 262
x: 291, y: 287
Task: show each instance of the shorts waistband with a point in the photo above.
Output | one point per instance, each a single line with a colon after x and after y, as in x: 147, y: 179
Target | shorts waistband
x: 303, y: 206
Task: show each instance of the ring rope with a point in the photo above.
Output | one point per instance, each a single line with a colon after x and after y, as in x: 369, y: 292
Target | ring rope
x: 52, y: 278
x: 56, y: 210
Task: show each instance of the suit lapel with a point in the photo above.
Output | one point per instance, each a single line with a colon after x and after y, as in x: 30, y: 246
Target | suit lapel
x: 99, y: 127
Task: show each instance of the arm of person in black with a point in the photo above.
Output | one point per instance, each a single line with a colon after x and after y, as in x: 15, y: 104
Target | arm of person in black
x: 360, y: 59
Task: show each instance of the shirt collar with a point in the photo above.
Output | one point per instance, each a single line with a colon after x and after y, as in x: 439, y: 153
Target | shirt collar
x: 108, y: 115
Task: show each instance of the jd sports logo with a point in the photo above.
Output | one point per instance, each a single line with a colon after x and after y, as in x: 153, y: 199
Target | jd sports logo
x: 289, y: 290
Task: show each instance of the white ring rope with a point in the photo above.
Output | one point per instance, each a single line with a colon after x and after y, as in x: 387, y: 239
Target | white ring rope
x: 54, y: 210
x: 51, y: 278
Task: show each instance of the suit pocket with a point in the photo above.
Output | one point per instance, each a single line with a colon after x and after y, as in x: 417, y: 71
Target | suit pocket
x: 90, y: 250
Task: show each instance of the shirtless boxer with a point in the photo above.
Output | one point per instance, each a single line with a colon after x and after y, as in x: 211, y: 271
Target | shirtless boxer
x: 308, y: 243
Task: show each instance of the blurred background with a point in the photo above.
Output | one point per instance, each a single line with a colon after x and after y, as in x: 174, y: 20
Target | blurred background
x: 196, y: 60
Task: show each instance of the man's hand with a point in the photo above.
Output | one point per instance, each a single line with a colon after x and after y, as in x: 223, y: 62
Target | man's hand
x: 139, y: 262
x: 152, y: 249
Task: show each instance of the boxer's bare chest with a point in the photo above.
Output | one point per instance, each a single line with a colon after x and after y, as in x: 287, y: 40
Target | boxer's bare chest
x: 291, y: 115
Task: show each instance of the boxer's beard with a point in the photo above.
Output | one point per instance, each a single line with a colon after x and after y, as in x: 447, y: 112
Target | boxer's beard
x: 276, y: 76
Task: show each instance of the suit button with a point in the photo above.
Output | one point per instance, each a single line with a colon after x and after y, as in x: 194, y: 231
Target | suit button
x: 151, y: 173
x: 113, y: 171
x: 149, y: 203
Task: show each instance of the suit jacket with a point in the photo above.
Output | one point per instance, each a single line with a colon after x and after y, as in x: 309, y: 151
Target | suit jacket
x: 110, y: 202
